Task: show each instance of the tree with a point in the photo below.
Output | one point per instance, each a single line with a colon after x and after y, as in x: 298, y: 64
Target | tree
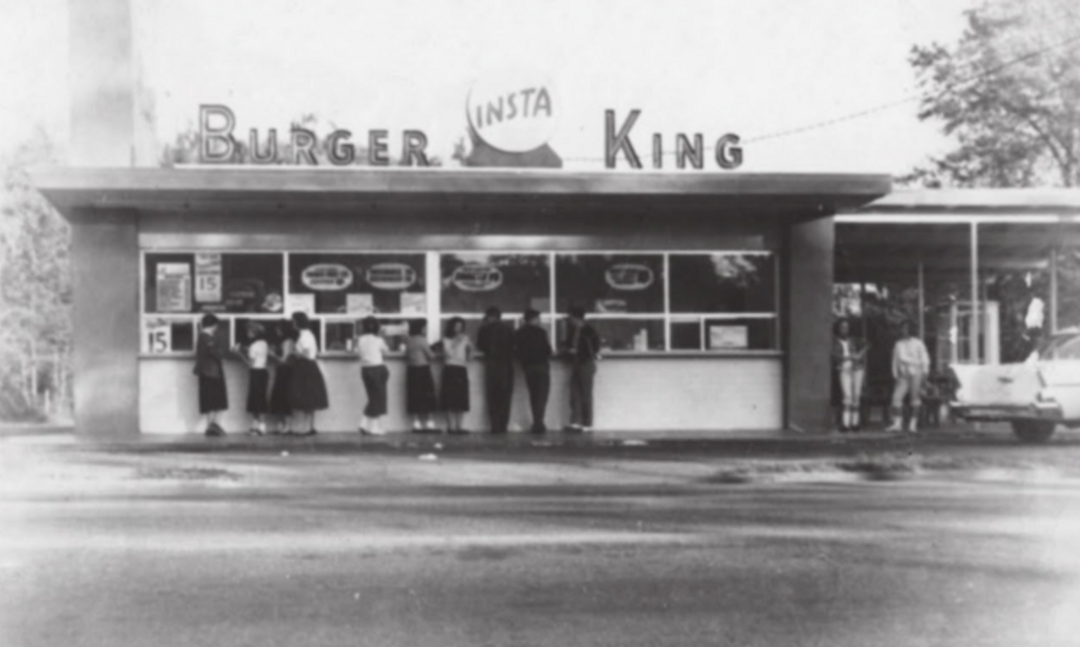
x: 1009, y: 94
x: 35, y: 288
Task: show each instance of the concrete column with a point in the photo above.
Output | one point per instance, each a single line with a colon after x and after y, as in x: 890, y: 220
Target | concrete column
x: 105, y: 269
x: 808, y: 324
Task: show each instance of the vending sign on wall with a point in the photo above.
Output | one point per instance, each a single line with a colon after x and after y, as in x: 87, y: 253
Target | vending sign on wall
x: 208, y: 278
x: 173, y: 287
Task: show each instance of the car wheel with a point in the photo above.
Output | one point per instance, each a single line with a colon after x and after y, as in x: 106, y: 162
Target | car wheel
x: 1033, y: 431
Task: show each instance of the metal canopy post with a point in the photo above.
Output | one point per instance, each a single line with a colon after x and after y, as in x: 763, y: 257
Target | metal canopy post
x: 973, y: 337
x: 922, y: 303
x: 1053, y: 290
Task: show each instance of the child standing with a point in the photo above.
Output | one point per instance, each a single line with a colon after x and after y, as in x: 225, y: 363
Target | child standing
x: 371, y: 347
x: 256, y: 357
x: 213, y: 396
x: 420, y: 399
x: 457, y: 352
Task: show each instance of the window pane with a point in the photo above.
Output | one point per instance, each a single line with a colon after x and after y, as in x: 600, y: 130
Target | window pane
x: 610, y: 282
x: 396, y: 331
x: 686, y: 335
x: 623, y: 334
x: 722, y: 283
x: 213, y: 282
x: 740, y: 334
x: 472, y: 283
x: 360, y: 284
x: 340, y: 335
x: 164, y: 335
x: 472, y: 326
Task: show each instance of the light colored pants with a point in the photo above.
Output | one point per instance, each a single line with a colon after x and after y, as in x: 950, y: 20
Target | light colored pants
x: 907, y: 384
x: 851, y: 387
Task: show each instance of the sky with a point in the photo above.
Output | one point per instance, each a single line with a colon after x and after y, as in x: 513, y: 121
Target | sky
x: 749, y: 67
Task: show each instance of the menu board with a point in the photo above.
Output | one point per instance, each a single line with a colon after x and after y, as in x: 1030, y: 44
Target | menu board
x: 358, y: 284
x: 473, y: 282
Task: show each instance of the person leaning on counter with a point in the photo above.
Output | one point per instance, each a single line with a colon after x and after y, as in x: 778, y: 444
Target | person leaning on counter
x: 533, y: 350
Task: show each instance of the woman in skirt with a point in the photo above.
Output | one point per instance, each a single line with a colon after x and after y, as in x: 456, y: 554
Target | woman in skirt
x: 457, y: 352
x: 307, y: 388
x: 420, y: 399
x: 256, y: 358
x: 285, y: 341
x: 371, y: 348
x: 213, y: 397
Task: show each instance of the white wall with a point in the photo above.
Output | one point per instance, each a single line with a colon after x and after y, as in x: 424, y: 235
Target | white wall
x: 632, y: 394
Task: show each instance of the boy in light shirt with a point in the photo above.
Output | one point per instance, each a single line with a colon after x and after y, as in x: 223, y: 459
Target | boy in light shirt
x: 910, y: 365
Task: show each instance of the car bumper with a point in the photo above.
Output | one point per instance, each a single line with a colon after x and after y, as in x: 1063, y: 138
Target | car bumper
x: 1007, y: 412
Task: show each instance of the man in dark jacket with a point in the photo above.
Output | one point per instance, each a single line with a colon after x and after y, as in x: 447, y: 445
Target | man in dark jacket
x: 533, y: 349
x: 583, y: 348
x: 496, y: 341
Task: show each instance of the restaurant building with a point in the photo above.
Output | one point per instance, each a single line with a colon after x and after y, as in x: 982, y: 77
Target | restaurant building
x: 711, y: 291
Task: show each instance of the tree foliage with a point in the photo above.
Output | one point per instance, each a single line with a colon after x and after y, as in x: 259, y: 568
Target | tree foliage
x: 1008, y: 93
x: 35, y: 287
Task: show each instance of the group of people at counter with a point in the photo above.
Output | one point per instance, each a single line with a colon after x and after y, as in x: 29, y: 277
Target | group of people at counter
x: 286, y: 384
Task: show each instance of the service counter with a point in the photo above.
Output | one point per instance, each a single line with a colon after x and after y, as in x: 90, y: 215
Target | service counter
x: 634, y: 392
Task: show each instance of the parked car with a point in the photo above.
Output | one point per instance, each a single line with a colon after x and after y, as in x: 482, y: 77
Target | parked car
x: 1035, y: 396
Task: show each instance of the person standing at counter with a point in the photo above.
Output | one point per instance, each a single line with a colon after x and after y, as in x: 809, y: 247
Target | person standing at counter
x: 213, y: 395
x: 420, y: 399
x: 307, y: 388
x: 371, y: 347
x: 256, y: 356
x: 533, y: 350
x: 457, y: 353
x: 496, y: 341
x: 849, y: 365
x: 285, y: 342
x: 583, y: 348
x: 910, y: 365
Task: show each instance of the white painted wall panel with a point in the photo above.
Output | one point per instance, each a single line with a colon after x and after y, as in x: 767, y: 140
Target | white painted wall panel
x: 632, y: 394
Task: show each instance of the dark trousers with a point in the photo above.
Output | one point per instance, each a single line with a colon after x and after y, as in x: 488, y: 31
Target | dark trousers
x: 538, y: 379
x: 582, y: 375
x: 374, y: 379
x: 499, y: 386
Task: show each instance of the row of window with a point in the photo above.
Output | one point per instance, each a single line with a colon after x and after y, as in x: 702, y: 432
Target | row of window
x: 638, y: 302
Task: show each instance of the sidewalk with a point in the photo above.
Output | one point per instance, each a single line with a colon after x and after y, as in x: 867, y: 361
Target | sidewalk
x: 659, y: 443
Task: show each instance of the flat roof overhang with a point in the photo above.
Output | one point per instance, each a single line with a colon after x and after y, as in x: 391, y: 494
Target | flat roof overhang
x: 975, y: 202
x: 78, y: 193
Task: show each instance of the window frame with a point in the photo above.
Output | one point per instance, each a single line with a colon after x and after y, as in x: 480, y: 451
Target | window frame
x: 436, y: 316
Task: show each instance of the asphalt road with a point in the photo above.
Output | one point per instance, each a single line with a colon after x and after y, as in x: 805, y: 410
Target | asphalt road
x: 268, y: 550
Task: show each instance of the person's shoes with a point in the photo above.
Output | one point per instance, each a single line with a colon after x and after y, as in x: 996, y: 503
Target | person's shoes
x: 214, y: 431
x: 458, y: 432
x: 310, y: 432
x: 371, y: 432
x: 574, y: 428
x: 538, y: 431
x: 894, y: 428
x: 254, y: 432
